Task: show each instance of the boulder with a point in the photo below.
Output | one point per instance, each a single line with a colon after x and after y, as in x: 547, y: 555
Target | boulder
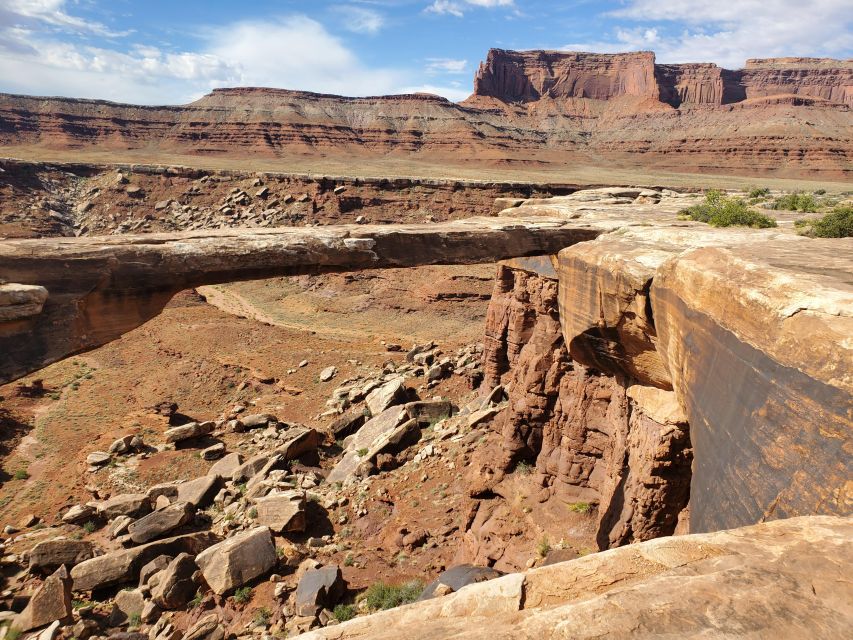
x: 207, y: 628
x: 199, y: 492
x: 174, y: 586
x: 298, y: 441
x: 51, y: 554
x: 389, y: 394
x: 188, y: 431
x: 235, y: 561
x: 79, y: 513
x: 127, y: 604
x: 428, y: 412
x: 214, y: 452
x: 132, y: 505
x: 319, y: 589
x: 282, y: 512
x: 52, y: 602
x: 251, y: 467
x: 457, y: 577
x: 162, y: 521
x: 155, y: 566
x: 123, y: 566
x: 255, y: 421
x: 328, y: 373
x: 98, y: 458
x: 347, y: 423
x: 226, y: 466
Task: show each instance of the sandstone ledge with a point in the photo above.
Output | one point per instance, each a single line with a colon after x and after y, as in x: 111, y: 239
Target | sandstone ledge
x: 784, y: 579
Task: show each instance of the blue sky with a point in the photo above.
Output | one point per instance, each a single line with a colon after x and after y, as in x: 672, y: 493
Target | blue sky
x: 173, y: 51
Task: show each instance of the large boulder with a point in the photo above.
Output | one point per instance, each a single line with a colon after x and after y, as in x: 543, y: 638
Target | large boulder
x: 319, y: 589
x: 51, y: 602
x: 235, y: 561
x: 159, y: 522
x: 282, y: 511
x: 298, y: 441
x: 188, y: 431
x: 51, y: 554
x: 389, y: 394
x: 226, y: 466
x: 133, y: 505
x: 127, y: 604
x: 123, y: 566
x: 199, y: 492
x: 173, y: 587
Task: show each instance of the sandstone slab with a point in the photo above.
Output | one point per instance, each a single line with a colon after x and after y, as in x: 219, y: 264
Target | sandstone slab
x: 233, y: 562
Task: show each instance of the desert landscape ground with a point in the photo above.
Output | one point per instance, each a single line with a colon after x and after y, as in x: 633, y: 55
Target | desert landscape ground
x: 568, y: 359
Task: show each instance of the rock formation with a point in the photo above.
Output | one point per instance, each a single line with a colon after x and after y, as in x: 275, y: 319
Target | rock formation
x: 99, y: 287
x: 731, y: 583
x: 788, y: 116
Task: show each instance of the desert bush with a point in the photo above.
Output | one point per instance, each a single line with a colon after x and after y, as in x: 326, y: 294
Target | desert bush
x: 759, y: 192
x: 718, y: 210
x: 580, y: 507
x: 262, y: 617
x: 381, y: 596
x: 243, y: 595
x: 544, y: 547
x: 838, y: 223
x: 344, y: 612
x: 797, y: 201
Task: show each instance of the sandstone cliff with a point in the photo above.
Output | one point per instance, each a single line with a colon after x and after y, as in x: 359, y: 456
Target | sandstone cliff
x: 529, y: 109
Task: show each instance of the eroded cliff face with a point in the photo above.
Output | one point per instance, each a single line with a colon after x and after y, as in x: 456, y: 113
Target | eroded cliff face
x: 595, y: 439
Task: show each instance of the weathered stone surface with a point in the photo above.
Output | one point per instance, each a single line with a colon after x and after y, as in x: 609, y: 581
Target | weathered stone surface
x: 282, y: 511
x: 156, y: 523
x: 188, y: 431
x: 233, y: 562
x: 127, y: 604
x: 123, y: 566
x: 757, y: 339
x: 782, y: 579
x: 174, y: 585
x: 226, y: 466
x: 129, y: 279
x: 125, y: 504
x: 18, y: 301
x: 207, y: 628
x: 51, y: 602
x: 319, y: 589
x: 78, y: 513
x: 199, y: 492
x: 374, y: 431
x: 389, y: 394
x: 252, y: 466
x: 298, y: 442
x: 51, y: 554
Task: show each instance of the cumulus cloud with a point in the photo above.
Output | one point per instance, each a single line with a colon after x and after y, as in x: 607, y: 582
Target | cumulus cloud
x: 729, y: 33
x: 294, y: 52
x: 24, y: 13
x: 457, y: 7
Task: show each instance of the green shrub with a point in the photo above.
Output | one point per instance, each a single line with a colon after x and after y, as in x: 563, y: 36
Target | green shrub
x: 381, y: 596
x: 719, y: 210
x: 524, y: 468
x: 196, y: 601
x: 89, y: 527
x: 349, y: 560
x: 580, y: 507
x: 836, y: 224
x: 759, y: 192
x: 344, y: 612
x: 805, y: 202
x: 21, y: 474
x: 362, y: 452
x: 134, y: 620
x: 243, y: 595
x: 253, y: 513
x: 262, y: 617
x: 544, y: 547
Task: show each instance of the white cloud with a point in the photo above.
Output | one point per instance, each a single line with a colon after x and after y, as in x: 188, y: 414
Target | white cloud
x: 360, y: 19
x: 457, y: 7
x: 445, y: 65
x: 23, y: 13
x: 294, y: 52
x: 729, y: 33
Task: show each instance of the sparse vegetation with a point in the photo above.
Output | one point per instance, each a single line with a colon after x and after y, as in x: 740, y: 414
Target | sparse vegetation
x: 243, y: 595
x: 719, y: 210
x: 262, y: 617
x: 134, y: 620
x: 362, y: 452
x: 12, y: 633
x: 21, y: 474
x: 580, y: 507
x: 253, y: 513
x: 797, y: 201
x: 89, y: 526
x: 344, y: 612
x: 544, y: 547
x: 759, y: 192
x: 524, y: 468
x: 381, y: 596
x: 838, y: 223
x: 349, y: 560
x: 196, y: 601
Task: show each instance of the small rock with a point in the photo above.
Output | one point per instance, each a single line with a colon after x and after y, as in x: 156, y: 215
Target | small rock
x: 98, y: 458
x: 328, y: 373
